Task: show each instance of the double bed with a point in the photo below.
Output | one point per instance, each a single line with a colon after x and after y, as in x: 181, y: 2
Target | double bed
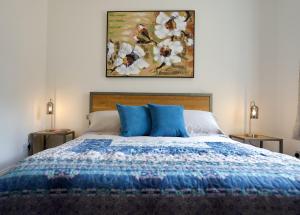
x: 101, y: 173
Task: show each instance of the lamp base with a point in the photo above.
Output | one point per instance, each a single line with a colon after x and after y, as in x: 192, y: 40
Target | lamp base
x: 57, y: 130
x: 251, y: 135
x: 50, y: 130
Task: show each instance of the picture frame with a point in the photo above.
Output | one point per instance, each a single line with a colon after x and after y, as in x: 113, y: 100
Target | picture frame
x: 154, y: 43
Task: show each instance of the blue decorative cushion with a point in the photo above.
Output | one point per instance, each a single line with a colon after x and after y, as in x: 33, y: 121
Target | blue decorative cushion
x: 167, y: 121
x: 135, y: 120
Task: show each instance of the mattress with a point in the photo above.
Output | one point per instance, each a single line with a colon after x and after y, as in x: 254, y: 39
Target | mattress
x: 113, y: 174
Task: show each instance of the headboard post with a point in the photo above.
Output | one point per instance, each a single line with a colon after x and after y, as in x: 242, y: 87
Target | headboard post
x: 108, y: 100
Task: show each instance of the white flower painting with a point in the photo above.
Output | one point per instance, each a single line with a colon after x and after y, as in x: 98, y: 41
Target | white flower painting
x: 130, y: 60
x: 167, y: 51
x: 110, y: 49
x: 169, y: 25
x: 150, y: 44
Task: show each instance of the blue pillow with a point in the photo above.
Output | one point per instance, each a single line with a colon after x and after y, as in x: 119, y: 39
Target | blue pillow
x: 135, y: 120
x: 167, y: 121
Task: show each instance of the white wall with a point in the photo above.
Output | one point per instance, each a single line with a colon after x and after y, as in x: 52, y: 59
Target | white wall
x: 226, y: 56
x: 22, y: 74
x: 279, y: 70
x: 288, y: 67
x: 245, y: 49
x: 267, y: 66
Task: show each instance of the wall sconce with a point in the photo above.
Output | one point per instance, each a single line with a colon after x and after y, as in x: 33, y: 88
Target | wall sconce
x: 253, y: 115
x: 50, y: 111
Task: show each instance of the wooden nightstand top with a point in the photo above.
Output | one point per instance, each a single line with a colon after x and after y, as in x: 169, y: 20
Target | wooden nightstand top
x: 54, y: 132
x: 245, y: 137
x: 46, y: 134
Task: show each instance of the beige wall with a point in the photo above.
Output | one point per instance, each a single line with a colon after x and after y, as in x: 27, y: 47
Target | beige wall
x: 279, y: 65
x: 226, y: 56
x: 288, y: 68
x: 245, y: 49
x: 22, y: 74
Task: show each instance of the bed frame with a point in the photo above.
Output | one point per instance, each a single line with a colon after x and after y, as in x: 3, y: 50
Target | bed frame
x: 100, y: 101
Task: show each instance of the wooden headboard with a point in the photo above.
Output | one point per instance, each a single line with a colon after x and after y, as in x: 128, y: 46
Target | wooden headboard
x: 100, y: 101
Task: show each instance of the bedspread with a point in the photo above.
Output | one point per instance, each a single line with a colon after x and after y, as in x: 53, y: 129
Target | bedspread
x: 108, y: 166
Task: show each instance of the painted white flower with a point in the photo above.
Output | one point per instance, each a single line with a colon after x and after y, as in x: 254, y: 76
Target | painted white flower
x: 130, y: 60
x: 167, y: 51
x: 110, y: 49
x: 169, y: 26
x: 189, y: 42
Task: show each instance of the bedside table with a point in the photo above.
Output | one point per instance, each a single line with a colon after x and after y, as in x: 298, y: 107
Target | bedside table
x: 261, y: 138
x: 60, y: 135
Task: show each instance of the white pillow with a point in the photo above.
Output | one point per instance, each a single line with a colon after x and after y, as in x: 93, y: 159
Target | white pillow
x: 199, y: 123
x: 104, y: 121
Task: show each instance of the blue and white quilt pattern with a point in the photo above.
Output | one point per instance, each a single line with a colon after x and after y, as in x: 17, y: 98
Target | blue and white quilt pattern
x: 102, y: 165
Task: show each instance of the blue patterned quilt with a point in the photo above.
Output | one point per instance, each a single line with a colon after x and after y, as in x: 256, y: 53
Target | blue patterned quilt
x: 201, y: 166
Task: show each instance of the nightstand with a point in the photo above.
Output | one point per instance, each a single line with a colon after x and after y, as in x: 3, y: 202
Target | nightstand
x: 46, y: 137
x: 261, y: 138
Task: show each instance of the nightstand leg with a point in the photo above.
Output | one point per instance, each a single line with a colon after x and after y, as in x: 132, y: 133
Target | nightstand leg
x: 45, y: 142
x: 73, y: 135
x: 65, y: 138
x: 281, y: 146
x: 261, y: 144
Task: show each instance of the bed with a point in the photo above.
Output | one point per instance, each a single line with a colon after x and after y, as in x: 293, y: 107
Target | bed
x: 100, y: 173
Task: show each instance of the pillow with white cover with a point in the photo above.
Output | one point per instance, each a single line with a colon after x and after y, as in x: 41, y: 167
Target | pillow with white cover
x: 197, y: 123
x: 201, y: 123
x: 104, y: 122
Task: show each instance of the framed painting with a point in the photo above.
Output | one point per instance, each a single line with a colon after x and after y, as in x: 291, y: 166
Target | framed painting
x: 150, y: 44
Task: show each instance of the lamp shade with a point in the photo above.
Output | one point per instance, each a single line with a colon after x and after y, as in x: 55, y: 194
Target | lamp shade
x: 50, y: 107
x: 253, y: 111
